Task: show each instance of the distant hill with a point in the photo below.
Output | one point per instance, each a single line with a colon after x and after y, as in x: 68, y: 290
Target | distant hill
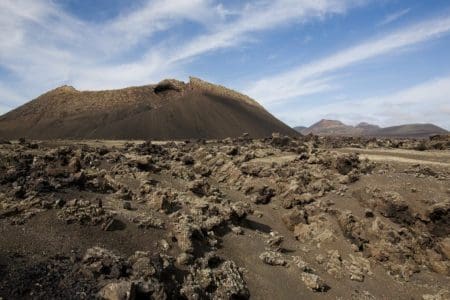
x: 300, y: 128
x: 411, y: 130
x: 331, y: 127
x: 337, y: 128
x: 170, y: 109
x: 367, y: 128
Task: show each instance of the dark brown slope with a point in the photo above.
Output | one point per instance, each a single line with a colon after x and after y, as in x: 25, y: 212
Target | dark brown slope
x: 168, y: 110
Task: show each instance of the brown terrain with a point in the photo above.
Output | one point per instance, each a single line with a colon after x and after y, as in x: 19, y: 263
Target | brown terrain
x: 337, y: 128
x: 275, y: 218
x: 89, y: 211
x: 170, y: 109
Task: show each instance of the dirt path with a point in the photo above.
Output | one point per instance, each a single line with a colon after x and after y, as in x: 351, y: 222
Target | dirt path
x: 436, y: 158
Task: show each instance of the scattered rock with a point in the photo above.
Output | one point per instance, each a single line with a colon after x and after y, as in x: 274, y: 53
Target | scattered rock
x: 264, y: 194
x: 185, y: 258
x: 200, y: 187
x: 127, y: 205
x: 237, y: 230
x: 273, y: 258
x: 122, y: 290
x: 314, y: 282
x: 294, y: 217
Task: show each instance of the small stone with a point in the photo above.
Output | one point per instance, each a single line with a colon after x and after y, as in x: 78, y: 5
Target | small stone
x: 274, y: 241
x: 264, y: 195
x: 293, y: 218
x: 314, y: 282
x: 60, y: 203
x: 445, y: 247
x: 232, y: 151
x: 185, y: 258
x: 320, y: 259
x: 117, y: 291
x: 301, y: 264
x: 201, y: 169
x: 354, y: 248
x: 237, y: 230
x: 199, y: 187
x: 258, y: 213
x: 272, y: 258
x: 74, y: 165
x: 127, y: 205
x: 356, y: 275
x: 441, y: 295
x: 164, y: 245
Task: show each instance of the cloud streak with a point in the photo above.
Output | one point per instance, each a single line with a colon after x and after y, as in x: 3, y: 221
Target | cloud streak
x: 394, y: 17
x: 287, y: 85
x: 254, y: 17
x: 46, y: 46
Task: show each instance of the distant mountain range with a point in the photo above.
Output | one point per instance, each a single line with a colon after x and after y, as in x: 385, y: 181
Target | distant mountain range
x: 334, y: 127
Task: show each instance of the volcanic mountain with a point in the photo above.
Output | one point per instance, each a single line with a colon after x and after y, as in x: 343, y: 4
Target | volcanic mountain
x: 330, y: 127
x: 337, y: 128
x: 170, y: 109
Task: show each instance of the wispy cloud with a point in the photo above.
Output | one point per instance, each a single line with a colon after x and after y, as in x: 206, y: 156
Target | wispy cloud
x: 257, y: 18
x: 287, y: 85
x: 394, y: 16
x: 47, y: 46
x: 427, y: 102
x: 254, y: 17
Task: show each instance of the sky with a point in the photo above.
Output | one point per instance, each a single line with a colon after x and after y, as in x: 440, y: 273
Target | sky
x: 385, y: 62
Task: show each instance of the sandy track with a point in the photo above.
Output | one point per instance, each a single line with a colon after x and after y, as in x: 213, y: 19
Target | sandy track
x: 436, y: 158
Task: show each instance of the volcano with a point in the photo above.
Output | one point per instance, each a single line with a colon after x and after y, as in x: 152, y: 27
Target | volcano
x: 168, y: 110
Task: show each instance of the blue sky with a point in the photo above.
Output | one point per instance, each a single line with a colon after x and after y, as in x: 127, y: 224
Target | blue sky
x: 381, y: 61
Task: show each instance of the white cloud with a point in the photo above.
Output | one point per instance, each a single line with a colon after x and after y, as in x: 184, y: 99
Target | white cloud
x: 288, y: 84
x: 260, y: 17
x: 47, y: 46
x: 254, y: 17
x: 427, y: 102
x: 394, y: 17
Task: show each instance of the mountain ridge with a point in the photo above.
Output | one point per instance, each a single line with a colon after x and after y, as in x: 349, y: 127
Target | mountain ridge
x: 170, y: 109
x: 326, y: 127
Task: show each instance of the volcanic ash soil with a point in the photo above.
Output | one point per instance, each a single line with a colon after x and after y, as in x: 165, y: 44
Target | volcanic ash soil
x: 275, y: 218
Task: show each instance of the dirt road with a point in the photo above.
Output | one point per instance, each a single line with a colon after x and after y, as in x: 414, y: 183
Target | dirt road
x: 435, y: 158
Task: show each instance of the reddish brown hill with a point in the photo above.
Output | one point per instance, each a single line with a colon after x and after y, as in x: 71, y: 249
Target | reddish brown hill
x: 330, y: 127
x: 169, y: 110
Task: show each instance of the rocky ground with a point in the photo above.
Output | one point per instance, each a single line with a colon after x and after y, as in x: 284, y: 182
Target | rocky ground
x: 278, y: 218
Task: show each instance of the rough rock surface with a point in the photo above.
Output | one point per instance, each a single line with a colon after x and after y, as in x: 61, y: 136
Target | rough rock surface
x: 220, y: 219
